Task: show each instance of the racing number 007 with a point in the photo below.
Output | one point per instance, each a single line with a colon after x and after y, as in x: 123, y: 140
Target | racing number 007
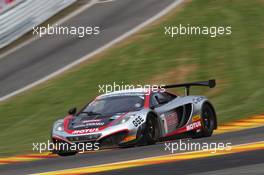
x: 138, y: 121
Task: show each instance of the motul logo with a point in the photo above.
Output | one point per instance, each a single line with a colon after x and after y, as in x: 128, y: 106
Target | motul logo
x: 84, y: 131
x: 193, y: 126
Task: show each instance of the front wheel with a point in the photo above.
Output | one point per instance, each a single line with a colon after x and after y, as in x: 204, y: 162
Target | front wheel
x: 150, y: 131
x: 62, y: 149
x: 63, y: 154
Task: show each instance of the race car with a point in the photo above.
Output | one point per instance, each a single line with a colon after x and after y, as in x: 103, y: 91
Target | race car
x: 137, y: 117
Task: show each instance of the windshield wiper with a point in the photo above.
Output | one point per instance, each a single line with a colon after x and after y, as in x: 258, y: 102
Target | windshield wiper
x: 91, y: 113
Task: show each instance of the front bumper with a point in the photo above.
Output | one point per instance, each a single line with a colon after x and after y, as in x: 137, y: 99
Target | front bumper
x: 109, y: 137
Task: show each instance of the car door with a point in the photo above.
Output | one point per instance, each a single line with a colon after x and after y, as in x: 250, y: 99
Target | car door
x: 168, y: 118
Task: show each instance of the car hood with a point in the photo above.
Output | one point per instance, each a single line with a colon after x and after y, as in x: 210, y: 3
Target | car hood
x: 88, y: 122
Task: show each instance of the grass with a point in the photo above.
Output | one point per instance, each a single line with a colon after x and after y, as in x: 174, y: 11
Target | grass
x: 236, y: 62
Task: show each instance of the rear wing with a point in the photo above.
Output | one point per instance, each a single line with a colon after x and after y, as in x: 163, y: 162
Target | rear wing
x: 209, y: 83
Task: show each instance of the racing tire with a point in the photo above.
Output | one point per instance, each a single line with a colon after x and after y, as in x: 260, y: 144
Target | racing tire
x: 208, y: 122
x: 64, y: 154
x: 150, y: 131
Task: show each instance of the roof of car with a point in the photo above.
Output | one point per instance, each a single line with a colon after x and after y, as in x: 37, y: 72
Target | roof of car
x: 138, y: 91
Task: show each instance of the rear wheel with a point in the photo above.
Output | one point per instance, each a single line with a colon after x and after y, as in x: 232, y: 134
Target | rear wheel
x: 208, y: 122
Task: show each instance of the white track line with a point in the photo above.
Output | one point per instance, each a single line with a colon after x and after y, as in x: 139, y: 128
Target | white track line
x: 61, y: 21
x: 108, y: 45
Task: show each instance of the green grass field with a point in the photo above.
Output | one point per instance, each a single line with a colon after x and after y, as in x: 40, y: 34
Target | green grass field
x: 236, y: 62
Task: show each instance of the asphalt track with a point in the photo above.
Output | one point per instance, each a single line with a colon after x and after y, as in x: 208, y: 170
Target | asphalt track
x: 45, y: 56
x: 250, y: 163
x: 183, y: 167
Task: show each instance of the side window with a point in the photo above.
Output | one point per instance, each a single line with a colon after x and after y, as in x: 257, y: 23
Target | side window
x: 169, y: 96
x: 160, y: 98
x: 153, y: 100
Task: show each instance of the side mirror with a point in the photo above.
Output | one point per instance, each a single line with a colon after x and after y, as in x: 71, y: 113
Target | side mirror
x: 72, y: 111
x: 152, y: 107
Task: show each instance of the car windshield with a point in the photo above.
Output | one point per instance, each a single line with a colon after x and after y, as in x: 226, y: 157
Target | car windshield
x: 113, y: 105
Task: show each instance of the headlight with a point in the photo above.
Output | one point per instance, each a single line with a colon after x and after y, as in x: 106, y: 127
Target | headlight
x: 124, y: 119
x: 59, y: 127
